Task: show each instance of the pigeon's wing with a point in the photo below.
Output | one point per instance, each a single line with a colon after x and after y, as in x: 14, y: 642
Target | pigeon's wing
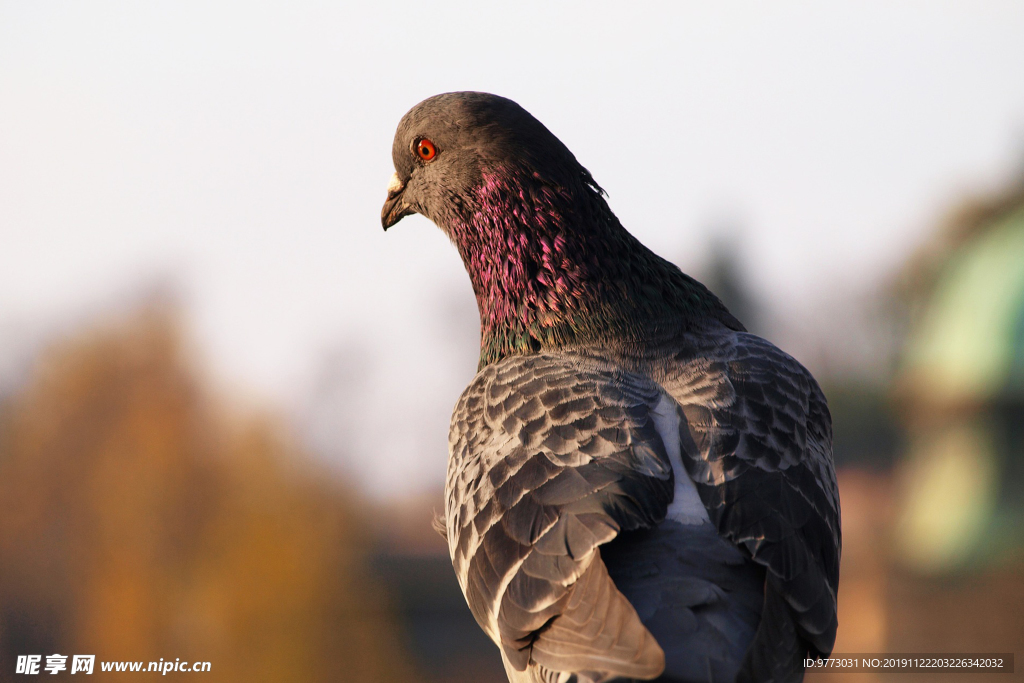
x: 551, y: 456
x: 757, y: 441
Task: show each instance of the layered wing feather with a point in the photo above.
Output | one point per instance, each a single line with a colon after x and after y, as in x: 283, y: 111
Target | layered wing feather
x: 757, y: 441
x: 551, y: 456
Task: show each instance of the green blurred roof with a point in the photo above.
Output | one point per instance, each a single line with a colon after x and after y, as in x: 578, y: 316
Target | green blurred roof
x: 969, y: 344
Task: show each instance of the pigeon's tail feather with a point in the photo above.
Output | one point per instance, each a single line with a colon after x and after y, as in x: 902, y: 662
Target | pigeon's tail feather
x: 597, y: 635
x: 695, y: 592
x: 777, y: 653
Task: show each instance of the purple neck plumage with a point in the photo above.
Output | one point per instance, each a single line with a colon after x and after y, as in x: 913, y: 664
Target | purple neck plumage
x: 552, y: 267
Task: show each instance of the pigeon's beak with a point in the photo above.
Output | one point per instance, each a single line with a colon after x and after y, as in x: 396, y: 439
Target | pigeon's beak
x: 395, y: 207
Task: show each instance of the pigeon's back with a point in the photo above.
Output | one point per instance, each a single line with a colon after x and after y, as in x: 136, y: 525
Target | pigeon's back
x: 685, y: 482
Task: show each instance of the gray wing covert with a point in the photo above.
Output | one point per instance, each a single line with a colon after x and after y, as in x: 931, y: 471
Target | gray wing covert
x: 757, y: 441
x: 551, y: 456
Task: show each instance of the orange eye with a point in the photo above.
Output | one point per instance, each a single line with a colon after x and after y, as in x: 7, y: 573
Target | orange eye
x: 425, y: 149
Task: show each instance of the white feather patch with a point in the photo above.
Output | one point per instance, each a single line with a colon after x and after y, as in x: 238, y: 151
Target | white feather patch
x: 685, y: 507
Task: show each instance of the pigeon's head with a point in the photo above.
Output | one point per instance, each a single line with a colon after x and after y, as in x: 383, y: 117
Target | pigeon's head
x: 549, y: 262
x: 451, y: 148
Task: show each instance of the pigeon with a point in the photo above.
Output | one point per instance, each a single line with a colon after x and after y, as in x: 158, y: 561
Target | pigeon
x: 637, y: 487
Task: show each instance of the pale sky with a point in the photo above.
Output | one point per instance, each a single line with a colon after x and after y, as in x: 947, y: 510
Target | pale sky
x: 240, y: 151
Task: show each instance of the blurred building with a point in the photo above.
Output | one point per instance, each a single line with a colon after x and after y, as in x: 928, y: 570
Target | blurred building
x: 960, y: 387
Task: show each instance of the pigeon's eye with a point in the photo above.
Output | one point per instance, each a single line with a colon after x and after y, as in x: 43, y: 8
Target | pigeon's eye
x: 425, y: 149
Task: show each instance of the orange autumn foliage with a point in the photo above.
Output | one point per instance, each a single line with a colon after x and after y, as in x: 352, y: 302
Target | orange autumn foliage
x: 138, y: 522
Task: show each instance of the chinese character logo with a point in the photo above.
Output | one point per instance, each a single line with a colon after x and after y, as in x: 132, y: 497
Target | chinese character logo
x: 28, y: 664
x: 55, y: 663
x: 83, y: 663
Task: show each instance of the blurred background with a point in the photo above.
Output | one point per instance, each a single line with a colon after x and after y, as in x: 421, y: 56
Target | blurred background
x: 225, y: 392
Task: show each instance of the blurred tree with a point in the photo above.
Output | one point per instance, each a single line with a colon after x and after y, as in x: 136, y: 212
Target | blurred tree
x: 726, y: 276
x: 138, y: 522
